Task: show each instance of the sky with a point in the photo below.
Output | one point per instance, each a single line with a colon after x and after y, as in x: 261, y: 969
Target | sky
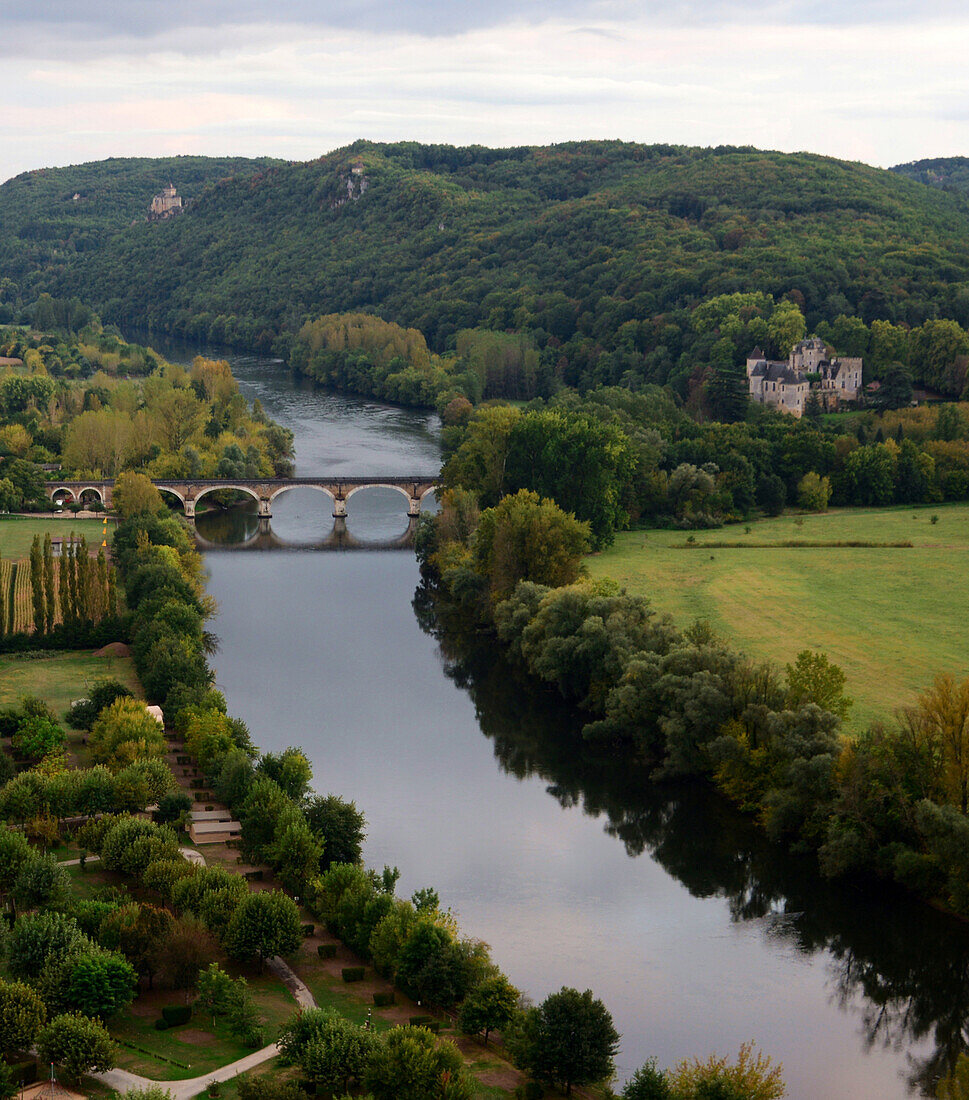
x: 881, y: 81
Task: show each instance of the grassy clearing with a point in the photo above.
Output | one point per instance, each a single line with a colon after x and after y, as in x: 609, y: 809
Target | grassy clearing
x: 198, y: 1046
x: 17, y: 532
x: 892, y: 618
x: 61, y: 677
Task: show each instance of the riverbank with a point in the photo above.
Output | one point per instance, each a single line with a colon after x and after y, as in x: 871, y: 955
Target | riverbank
x: 852, y: 603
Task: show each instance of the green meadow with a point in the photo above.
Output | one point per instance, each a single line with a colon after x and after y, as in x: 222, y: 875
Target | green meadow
x: 17, y: 532
x: 891, y: 617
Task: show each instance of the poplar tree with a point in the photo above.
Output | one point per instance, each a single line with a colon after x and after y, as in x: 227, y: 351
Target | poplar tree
x: 37, y: 584
x: 49, y: 589
x: 101, y: 588
x: 82, y: 580
x: 69, y: 606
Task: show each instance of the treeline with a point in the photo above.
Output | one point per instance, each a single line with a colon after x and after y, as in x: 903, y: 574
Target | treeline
x: 96, y: 406
x: 360, y: 353
x: 614, y: 457
x: 892, y: 802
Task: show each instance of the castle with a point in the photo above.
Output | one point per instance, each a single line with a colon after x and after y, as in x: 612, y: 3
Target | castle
x: 785, y: 386
x: 166, y: 205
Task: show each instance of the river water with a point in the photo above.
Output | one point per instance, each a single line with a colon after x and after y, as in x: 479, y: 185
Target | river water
x: 696, y: 934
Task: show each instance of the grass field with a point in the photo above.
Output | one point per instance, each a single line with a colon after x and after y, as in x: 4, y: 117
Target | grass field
x: 61, y: 677
x: 17, y: 532
x: 892, y: 618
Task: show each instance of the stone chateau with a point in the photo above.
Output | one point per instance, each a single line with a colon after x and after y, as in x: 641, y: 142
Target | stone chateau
x: 166, y: 204
x: 785, y: 385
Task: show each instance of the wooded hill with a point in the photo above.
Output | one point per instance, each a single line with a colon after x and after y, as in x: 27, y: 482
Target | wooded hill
x: 567, y: 242
x: 43, y: 224
x: 949, y: 173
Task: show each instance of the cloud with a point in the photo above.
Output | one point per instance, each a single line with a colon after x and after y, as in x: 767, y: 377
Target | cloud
x: 884, y: 92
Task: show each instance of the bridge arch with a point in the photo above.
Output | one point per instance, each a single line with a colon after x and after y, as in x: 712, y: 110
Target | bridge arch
x: 226, y: 485
x: 318, y: 488
x: 180, y: 497
x: 380, y: 485
x: 68, y: 496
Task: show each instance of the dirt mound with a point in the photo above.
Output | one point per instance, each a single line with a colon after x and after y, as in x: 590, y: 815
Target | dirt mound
x: 113, y: 649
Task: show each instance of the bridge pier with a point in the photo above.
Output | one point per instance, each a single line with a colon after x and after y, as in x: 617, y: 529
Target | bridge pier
x: 339, y: 524
x: 190, y: 510
x: 414, y: 508
x: 340, y: 510
x: 265, y: 508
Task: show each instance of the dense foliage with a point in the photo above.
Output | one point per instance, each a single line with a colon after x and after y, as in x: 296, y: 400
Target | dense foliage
x: 594, y: 252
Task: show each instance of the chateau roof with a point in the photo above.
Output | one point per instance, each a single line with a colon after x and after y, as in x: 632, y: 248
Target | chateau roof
x: 757, y: 353
x: 781, y: 372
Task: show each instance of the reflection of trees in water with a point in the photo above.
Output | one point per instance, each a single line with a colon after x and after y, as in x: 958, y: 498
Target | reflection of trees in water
x: 229, y: 526
x: 901, y: 966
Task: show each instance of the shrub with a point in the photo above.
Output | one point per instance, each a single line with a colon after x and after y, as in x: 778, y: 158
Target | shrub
x: 83, y: 712
x: 420, y: 1021
x: 176, y: 1015
x: 308, y: 930
x: 326, y: 950
x: 37, y: 737
x: 381, y: 1000
x: 353, y: 973
x: 162, y: 1024
x: 752, y: 1077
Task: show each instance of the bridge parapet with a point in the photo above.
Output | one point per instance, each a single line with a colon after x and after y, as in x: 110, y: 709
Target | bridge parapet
x: 263, y: 490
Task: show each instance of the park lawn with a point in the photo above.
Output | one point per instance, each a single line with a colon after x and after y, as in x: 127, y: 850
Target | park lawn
x: 196, y: 1047
x: 59, y: 678
x: 892, y: 618
x: 17, y: 532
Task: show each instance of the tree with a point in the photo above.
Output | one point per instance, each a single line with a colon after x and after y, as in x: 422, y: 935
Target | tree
x: 751, y: 1077
x: 526, y: 538
x: 22, y: 1015
x: 101, y: 983
x: 37, y: 736
x: 813, y: 492
x: 189, y: 949
x: 813, y: 679
x: 648, y: 1083
x: 489, y: 1006
x: 290, y: 770
x: 37, y: 584
x: 340, y: 825
x: 940, y: 718
x: 50, y: 594
x: 895, y: 389
x: 569, y: 1040
x: 77, y: 1043
x: 339, y: 1052
x: 134, y: 494
x: 771, y: 494
x: 15, y: 851
x: 37, y: 937
x: 412, y: 1065
x: 295, y: 851
x: 41, y: 882
x: 123, y: 732
x: 264, y: 924
x: 139, y: 932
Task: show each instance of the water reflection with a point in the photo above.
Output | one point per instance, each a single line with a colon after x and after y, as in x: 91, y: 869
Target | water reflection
x: 301, y: 520
x: 898, y: 967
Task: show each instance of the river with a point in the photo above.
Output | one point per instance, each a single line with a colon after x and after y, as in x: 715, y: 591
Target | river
x: 696, y: 934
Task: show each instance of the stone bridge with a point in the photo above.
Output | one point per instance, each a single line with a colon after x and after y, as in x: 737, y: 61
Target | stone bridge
x: 263, y: 490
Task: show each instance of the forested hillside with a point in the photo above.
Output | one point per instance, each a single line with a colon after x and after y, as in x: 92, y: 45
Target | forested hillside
x: 49, y: 216
x: 597, y: 252
x: 949, y: 173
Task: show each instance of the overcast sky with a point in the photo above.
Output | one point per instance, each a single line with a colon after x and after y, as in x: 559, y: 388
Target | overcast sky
x: 880, y: 81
